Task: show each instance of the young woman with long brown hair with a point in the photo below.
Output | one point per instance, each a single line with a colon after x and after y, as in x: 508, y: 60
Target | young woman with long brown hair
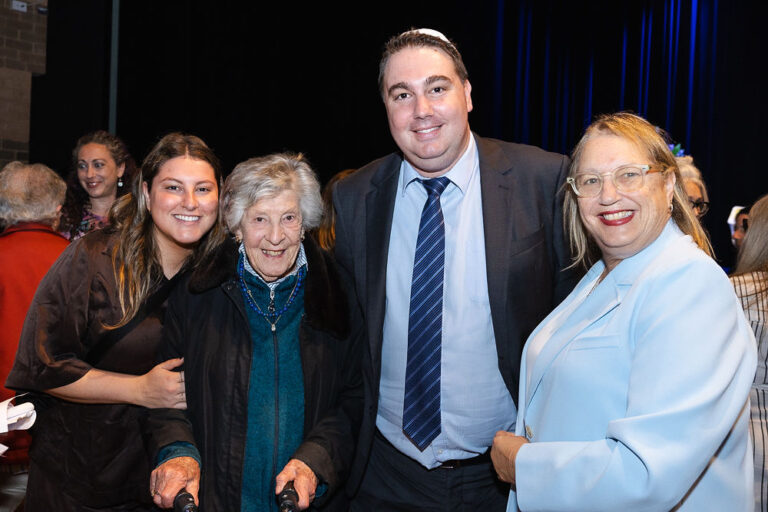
x: 88, y: 346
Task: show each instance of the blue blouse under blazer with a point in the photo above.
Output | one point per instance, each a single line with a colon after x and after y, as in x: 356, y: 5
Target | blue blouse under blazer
x: 634, y: 391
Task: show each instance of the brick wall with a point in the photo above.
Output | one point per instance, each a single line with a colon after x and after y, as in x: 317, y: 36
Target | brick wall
x: 22, y: 54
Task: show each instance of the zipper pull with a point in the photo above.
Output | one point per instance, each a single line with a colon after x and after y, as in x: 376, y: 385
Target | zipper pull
x: 271, y: 307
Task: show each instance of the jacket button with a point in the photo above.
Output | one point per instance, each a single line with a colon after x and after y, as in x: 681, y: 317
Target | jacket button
x: 528, y: 432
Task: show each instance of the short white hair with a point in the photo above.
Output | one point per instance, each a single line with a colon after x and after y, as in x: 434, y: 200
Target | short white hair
x: 691, y: 174
x: 268, y: 176
x: 30, y: 193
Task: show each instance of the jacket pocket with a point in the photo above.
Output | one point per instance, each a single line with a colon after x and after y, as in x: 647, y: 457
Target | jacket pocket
x: 526, y: 243
x: 595, y: 342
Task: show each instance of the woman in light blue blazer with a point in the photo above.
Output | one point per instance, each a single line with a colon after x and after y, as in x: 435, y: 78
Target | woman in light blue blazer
x: 634, y: 391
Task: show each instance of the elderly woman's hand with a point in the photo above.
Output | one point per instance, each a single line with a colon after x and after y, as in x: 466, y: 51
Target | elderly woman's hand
x: 162, y: 387
x: 170, y: 477
x: 503, y: 454
x: 304, y: 481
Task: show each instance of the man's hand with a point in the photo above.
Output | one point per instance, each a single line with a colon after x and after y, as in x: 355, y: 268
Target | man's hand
x: 504, y: 453
x: 172, y: 476
x: 304, y: 481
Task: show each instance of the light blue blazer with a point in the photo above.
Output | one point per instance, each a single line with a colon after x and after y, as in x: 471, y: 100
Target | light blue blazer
x: 634, y: 392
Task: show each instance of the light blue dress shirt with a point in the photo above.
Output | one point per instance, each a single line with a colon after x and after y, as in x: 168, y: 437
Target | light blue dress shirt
x: 474, y: 400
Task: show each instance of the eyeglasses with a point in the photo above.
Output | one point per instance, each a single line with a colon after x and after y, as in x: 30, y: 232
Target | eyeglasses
x: 625, y: 178
x: 700, y: 206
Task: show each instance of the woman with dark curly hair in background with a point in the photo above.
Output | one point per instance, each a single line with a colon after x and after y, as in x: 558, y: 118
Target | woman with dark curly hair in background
x: 101, y: 165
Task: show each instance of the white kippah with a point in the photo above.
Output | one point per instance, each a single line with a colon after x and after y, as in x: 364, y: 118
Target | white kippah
x: 431, y: 32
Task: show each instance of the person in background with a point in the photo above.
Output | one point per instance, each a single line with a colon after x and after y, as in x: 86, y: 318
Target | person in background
x: 87, y: 350
x: 456, y: 248
x: 326, y: 231
x: 694, y: 185
x: 30, y: 203
x: 634, y: 391
x: 102, y: 166
x: 750, y: 281
x: 738, y: 222
x: 272, y: 344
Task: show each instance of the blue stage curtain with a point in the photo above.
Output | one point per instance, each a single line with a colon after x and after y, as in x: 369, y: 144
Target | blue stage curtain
x: 557, y: 65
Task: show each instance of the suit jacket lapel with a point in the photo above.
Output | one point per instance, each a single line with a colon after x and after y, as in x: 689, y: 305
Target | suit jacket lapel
x: 496, y: 185
x: 604, y: 298
x: 379, y: 209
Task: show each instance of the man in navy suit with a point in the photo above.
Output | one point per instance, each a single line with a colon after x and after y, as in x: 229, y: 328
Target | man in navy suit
x: 501, y: 271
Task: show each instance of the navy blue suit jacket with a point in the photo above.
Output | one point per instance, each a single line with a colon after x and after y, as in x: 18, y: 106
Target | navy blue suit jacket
x: 521, y: 188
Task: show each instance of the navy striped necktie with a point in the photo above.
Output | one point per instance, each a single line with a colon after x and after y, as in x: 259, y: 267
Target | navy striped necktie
x: 421, y: 404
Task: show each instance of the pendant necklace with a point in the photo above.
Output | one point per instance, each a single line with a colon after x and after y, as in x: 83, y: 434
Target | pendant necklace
x: 271, y: 316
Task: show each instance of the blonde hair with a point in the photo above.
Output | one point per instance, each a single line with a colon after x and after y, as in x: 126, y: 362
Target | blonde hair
x: 691, y: 174
x: 584, y: 249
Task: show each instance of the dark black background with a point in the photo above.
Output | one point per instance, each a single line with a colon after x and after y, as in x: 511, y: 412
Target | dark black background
x: 252, y: 78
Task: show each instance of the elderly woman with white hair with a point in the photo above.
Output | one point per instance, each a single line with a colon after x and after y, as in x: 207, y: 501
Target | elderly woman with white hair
x: 271, y: 348
x: 693, y: 184
x: 30, y: 203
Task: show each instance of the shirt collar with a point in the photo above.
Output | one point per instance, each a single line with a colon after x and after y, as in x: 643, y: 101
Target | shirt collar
x: 460, y: 174
x: 301, y: 260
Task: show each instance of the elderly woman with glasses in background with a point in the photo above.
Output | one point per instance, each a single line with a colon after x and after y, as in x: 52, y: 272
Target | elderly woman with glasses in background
x: 693, y: 184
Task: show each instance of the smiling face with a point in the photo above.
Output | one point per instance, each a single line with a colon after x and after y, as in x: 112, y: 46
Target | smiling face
x: 97, y: 171
x: 623, y: 223
x: 183, y: 202
x: 271, y: 232
x: 427, y: 107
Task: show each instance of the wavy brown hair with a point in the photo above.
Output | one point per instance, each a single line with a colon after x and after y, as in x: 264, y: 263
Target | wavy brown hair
x: 640, y: 132
x: 135, y: 258
x: 78, y: 200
